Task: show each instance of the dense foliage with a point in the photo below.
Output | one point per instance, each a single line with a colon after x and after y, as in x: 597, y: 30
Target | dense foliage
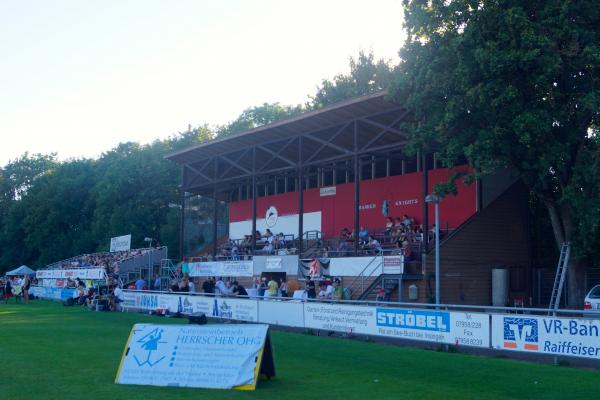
x: 511, y: 83
x: 52, y: 210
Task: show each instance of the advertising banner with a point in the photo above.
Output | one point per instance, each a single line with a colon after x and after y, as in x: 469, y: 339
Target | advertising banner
x: 393, y: 264
x: 210, y: 356
x: 51, y: 293
x: 120, y: 243
x: 81, y: 273
x: 549, y: 335
x: 284, y: 313
x: 216, y: 307
x: 458, y: 328
x: 339, y: 317
x: 221, y: 268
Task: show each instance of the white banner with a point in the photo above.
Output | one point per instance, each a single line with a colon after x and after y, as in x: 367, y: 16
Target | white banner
x: 120, y: 243
x: 549, y: 335
x: 393, y: 264
x: 286, y: 313
x: 81, y: 273
x: 51, y: 293
x: 273, y: 263
x: 221, y: 268
x: 458, y: 328
x: 339, y: 317
x: 223, y: 356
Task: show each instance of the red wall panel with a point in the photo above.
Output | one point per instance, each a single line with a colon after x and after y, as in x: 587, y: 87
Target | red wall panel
x: 403, y: 192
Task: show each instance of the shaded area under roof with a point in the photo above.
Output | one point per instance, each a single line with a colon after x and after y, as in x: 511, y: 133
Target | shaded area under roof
x: 363, y: 106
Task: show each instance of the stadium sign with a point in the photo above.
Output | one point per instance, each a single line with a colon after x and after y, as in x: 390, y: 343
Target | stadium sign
x: 120, y: 243
x: 548, y: 335
x: 221, y: 268
x: 81, y: 273
x: 210, y: 356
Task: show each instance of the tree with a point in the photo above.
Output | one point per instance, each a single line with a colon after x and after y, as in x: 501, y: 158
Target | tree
x: 254, y: 117
x: 508, y: 83
x: 366, y: 76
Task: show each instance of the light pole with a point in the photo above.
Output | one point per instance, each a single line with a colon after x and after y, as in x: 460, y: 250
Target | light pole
x: 149, y: 239
x: 432, y: 198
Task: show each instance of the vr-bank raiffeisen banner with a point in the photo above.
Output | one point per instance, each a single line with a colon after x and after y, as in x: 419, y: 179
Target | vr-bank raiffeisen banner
x: 575, y: 337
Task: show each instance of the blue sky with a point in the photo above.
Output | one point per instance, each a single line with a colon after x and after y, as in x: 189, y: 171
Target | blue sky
x: 78, y: 77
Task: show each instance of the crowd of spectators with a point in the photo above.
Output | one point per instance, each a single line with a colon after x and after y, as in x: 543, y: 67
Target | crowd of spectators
x: 398, y: 237
x: 266, y: 243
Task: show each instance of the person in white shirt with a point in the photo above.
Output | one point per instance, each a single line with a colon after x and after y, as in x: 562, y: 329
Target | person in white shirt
x: 326, y: 292
x: 192, y: 286
x: 221, y: 288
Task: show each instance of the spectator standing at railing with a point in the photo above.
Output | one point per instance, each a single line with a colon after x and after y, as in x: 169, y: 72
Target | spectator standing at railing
x: 407, y: 251
x: 363, y: 235
x: 262, y: 286
x: 283, y: 287
x: 311, y: 290
x: 156, y: 285
x: 272, y: 287
x: 208, y: 286
x: 140, y: 284
x: 238, y: 289
x: 326, y: 291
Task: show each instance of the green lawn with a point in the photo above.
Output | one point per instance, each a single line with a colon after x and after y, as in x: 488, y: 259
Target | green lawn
x: 48, y: 351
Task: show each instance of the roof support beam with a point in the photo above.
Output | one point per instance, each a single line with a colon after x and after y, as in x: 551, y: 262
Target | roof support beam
x: 328, y: 143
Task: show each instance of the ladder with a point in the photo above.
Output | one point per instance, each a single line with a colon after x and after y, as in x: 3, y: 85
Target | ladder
x: 561, y: 273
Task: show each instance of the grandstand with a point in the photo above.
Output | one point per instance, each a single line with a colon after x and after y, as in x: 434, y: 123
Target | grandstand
x: 338, y: 185
x: 125, y: 266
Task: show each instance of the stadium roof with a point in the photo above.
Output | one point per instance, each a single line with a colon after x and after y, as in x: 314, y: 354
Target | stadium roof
x: 363, y: 125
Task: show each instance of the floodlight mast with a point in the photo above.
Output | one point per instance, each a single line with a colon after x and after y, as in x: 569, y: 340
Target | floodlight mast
x: 435, y: 199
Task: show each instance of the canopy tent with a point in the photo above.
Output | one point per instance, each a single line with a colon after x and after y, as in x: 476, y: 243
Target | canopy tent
x: 22, y: 270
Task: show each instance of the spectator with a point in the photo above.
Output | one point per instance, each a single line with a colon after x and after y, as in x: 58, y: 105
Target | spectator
x: 283, y: 287
x: 407, y: 252
x: 326, y: 291
x: 389, y: 226
x: 272, y: 287
x: 221, y: 288
x: 406, y: 221
x: 192, y: 286
x: 338, y: 290
x: 262, y: 287
x: 156, y: 285
x: 363, y: 235
x: 373, y: 245
x: 209, y: 285
x: 26, y: 284
x: 310, y: 288
x: 238, y: 289
x: 7, y: 289
x: 119, y: 297
x: 140, y: 284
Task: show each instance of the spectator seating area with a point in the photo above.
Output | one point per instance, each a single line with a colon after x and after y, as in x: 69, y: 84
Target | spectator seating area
x: 400, y: 236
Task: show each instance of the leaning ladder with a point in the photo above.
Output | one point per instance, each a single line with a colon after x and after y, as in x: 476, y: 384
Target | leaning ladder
x: 561, y: 273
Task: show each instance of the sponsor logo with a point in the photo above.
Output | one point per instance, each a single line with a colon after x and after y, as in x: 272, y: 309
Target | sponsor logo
x: 147, y: 301
x: 437, y: 321
x: 148, y: 344
x: 406, y: 202
x: 327, y: 191
x: 521, y: 333
x: 271, y: 216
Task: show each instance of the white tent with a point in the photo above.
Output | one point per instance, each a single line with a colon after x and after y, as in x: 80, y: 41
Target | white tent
x: 22, y: 270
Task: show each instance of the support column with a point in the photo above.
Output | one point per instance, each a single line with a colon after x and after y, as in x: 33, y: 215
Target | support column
x: 215, y: 211
x: 388, y: 167
x: 181, y: 222
x: 425, y: 206
x: 356, y: 189
x: 300, y: 199
x: 253, y: 200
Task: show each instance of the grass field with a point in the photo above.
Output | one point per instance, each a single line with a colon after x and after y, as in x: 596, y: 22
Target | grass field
x: 48, y: 351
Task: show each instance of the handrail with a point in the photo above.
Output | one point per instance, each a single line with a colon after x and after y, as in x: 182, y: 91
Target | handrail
x: 361, y: 275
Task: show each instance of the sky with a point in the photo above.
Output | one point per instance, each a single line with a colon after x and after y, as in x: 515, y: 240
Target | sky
x: 79, y: 77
